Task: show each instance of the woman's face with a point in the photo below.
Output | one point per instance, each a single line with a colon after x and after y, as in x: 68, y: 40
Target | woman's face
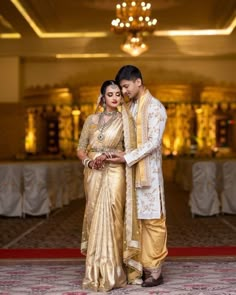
x: 112, y: 97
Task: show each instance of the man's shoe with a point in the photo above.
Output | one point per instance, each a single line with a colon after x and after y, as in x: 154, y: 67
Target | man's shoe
x: 151, y: 282
x: 146, y: 274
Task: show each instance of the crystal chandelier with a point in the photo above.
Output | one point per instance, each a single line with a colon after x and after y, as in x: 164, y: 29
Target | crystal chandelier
x: 133, y: 19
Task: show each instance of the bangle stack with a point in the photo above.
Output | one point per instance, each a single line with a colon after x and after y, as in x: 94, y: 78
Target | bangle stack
x: 86, y: 162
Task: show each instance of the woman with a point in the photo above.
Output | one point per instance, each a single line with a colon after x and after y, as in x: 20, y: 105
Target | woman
x: 109, y: 188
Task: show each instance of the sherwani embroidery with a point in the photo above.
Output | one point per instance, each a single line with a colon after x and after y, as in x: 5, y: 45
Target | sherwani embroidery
x: 150, y: 192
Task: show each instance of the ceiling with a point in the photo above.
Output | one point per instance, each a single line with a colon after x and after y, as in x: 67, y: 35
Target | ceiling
x: 80, y: 28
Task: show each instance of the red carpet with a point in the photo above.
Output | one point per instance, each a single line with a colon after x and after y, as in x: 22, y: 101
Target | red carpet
x: 40, y: 253
x: 203, y: 251
x: 75, y: 253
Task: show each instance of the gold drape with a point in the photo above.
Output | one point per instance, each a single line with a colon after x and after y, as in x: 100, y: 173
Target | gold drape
x: 111, y: 232
x: 142, y: 170
x: 132, y: 231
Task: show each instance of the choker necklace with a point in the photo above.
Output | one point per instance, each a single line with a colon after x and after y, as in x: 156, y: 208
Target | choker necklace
x: 110, y: 113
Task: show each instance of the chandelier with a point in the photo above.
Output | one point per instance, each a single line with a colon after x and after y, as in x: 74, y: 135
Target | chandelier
x: 133, y: 19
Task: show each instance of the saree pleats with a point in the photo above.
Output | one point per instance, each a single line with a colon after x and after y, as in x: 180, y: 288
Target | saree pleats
x: 104, y: 223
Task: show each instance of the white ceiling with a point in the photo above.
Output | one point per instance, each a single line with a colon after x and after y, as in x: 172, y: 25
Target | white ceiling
x: 90, y: 22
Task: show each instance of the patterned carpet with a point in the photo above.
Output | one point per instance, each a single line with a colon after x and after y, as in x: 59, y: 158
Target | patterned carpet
x: 64, y: 278
x: 182, y: 276
x: 63, y: 227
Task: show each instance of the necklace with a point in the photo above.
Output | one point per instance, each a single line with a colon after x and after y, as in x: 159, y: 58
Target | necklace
x: 102, y: 125
x: 109, y: 113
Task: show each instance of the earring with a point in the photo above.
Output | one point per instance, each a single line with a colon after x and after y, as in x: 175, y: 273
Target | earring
x: 104, y: 105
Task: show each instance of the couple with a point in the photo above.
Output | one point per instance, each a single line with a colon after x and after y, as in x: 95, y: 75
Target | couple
x: 124, y: 231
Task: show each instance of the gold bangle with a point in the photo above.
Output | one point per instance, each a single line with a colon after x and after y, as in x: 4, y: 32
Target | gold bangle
x: 85, y: 161
x: 88, y: 164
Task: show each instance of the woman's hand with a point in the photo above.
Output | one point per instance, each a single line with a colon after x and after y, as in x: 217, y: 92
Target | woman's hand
x: 98, y: 163
x: 100, y: 159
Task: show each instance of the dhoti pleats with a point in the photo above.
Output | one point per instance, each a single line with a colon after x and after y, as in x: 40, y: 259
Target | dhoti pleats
x: 153, y: 244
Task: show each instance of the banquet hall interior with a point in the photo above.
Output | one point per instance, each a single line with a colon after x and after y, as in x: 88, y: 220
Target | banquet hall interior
x: 54, y: 56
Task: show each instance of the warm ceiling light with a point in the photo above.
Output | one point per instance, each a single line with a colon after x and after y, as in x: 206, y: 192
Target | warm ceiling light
x: 10, y: 36
x: 133, y: 19
x: 134, y: 45
x: 166, y: 33
x: 82, y: 55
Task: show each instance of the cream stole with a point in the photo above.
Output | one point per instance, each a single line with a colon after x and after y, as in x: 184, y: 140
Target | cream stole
x: 132, y: 224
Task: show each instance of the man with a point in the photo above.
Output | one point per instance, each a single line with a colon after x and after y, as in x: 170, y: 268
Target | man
x: 150, y: 117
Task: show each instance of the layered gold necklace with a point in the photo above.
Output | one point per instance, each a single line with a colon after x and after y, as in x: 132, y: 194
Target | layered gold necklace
x: 102, y: 125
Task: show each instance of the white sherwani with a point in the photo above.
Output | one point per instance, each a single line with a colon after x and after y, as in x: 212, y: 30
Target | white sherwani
x: 150, y: 199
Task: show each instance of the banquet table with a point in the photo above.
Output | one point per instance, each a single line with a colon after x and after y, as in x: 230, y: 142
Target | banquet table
x: 64, y: 183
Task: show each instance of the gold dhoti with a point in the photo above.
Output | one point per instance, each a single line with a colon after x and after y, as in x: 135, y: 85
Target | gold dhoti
x: 153, y: 243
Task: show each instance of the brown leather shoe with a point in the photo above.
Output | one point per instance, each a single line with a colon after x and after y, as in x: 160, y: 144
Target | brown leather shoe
x: 151, y: 282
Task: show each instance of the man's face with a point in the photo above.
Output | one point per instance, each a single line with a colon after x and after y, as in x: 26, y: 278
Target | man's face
x: 131, y: 88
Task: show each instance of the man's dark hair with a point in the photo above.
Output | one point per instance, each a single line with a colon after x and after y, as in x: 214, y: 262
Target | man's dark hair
x: 128, y: 72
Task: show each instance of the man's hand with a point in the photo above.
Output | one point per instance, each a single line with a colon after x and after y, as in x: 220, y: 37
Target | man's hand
x: 117, y: 158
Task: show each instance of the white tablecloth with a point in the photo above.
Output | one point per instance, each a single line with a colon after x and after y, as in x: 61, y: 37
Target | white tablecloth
x: 64, y: 183
x: 183, y: 171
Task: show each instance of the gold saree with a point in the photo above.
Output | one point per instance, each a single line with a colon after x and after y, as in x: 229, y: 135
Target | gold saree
x: 110, y: 234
